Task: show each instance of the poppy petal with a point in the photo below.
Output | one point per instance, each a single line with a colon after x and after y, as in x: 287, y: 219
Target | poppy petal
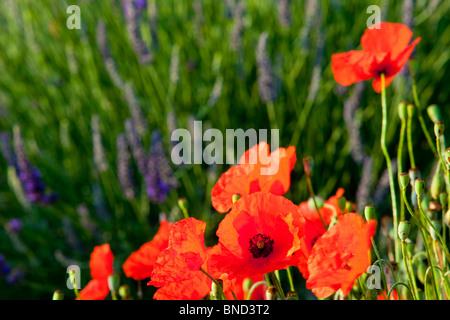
x: 96, y: 289
x: 101, y: 263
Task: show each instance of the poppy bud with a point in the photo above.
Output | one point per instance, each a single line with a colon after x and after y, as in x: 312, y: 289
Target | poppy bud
x: 403, y: 229
x: 236, y: 197
x: 421, y: 270
x: 308, y: 165
x: 342, y: 203
x: 438, y: 129
x: 447, y: 218
x: 437, y: 185
x: 404, y: 180
x: 411, y: 110
x: 443, y: 199
x: 216, y: 292
x: 437, y: 226
x: 402, y: 113
x: 113, y: 282
x: 319, y: 201
x: 182, y: 203
x: 291, y: 295
x: 419, y: 186
x: 348, y: 206
x: 246, y: 285
x: 447, y: 156
x: 124, y: 292
x: 58, y: 295
x: 271, y: 293
x: 369, y: 213
x: 434, y: 113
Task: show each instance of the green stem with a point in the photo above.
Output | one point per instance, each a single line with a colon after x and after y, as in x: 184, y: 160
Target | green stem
x: 409, y: 272
x: 271, y: 114
x: 410, y: 143
x: 377, y: 253
x: 419, y: 113
x: 215, y: 282
x: 313, y: 196
x: 400, y: 161
x: 277, y: 284
x: 253, y: 287
x: 389, y: 166
x: 397, y: 284
x: 291, y: 281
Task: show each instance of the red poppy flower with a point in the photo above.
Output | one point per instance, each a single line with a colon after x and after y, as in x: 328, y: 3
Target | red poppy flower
x: 314, y: 226
x: 184, y: 255
x: 385, y: 50
x: 259, y: 235
x: 340, y: 256
x: 258, y: 170
x: 101, y: 265
x: 140, y: 263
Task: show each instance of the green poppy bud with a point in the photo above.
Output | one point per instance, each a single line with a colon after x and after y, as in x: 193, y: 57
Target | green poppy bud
x: 58, y: 295
x: 404, y: 180
x: 216, y: 292
x: 124, y: 292
x: 437, y: 185
x: 411, y: 110
x: 437, y: 225
x: 371, y: 294
x: 342, y: 202
x: 183, y: 204
x: 419, y: 186
x: 438, y: 129
x: 447, y: 156
x: 369, y: 213
x: 434, y: 113
x: 403, y: 229
x: 447, y: 218
x: 308, y: 165
x: 443, y: 199
x: 319, y: 201
x: 291, y: 295
x: 236, y: 197
x: 113, y: 282
x: 271, y: 293
x: 402, y: 112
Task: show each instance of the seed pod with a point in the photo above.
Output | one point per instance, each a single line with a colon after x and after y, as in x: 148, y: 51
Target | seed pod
x: 411, y: 110
x: 58, y: 295
x: 434, y: 113
x: 437, y: 185
x: 236, y: 197
x: 403, y: 229
x: 271, y: 293
x: 291, y: 295
x: 443, y: 199
x: 438, y: 129
x: 419, y: 186
x: 369, y: 213
x: 437, y: 226
x: 404, y: 180
x: 113, y: 282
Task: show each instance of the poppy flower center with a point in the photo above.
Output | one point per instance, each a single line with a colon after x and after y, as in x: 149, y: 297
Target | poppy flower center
x: 260, y: 245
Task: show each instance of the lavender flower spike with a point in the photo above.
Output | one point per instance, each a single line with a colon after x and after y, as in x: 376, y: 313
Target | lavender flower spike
x: 159, y: 178
x: 123, y: 167
x: 266, y: 82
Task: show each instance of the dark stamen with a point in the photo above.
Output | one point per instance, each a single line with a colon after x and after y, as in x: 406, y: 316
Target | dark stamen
x: 260, y: 246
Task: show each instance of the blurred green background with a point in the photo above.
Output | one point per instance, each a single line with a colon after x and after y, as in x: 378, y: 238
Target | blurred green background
x: 201, y: 65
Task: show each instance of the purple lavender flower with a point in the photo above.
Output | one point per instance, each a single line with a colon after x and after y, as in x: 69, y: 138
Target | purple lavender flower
x: 266, y: 82
x: 159, y: 178
x: 29, y: 176
x: 123, y: 167
x: 5, y: 268
x: 14, y: 226
x: 15, y: 276
x: 140, y: 4
x: 132, y: 19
